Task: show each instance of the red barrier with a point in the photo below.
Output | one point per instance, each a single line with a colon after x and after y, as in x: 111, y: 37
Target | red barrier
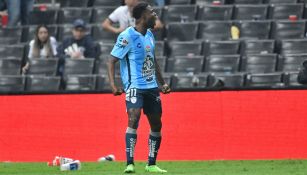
x: 197, y: 126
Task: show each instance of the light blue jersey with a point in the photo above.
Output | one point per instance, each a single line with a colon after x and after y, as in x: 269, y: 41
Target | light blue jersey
x: 136, y: 54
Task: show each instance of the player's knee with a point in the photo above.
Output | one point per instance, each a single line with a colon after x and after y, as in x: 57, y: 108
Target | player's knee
x: 156, y: 126
x: 134, y: 117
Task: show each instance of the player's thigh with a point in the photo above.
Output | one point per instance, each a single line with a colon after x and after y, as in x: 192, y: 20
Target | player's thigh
x: 153, y: 109
x: 134, y: 104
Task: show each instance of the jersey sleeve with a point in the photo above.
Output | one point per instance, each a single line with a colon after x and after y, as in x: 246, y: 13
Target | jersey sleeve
x: 121, y: 47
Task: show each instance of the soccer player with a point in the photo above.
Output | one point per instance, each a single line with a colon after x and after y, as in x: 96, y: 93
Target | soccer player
x: 140, y: 75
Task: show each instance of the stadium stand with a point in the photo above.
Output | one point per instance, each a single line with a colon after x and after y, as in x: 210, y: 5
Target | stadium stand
x: 194, y: 48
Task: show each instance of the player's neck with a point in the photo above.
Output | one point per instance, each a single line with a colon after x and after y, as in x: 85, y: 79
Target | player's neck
x: 141, y: 29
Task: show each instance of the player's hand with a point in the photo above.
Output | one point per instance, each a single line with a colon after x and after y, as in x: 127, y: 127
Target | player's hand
x: 166, y: 89
x: 116, y: 91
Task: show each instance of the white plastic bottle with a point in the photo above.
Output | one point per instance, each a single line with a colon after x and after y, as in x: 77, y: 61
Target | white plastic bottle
x: 109, y: 157
x: 75, y: 165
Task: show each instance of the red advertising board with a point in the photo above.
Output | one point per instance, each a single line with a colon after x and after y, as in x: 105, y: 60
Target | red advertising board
x: 196, y: 126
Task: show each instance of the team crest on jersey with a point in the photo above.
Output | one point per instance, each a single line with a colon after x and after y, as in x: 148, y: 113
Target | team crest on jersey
x: 133, y: 100
x: 148, y: 69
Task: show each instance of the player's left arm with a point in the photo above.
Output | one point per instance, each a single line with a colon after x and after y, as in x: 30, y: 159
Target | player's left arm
x: 165, y: 87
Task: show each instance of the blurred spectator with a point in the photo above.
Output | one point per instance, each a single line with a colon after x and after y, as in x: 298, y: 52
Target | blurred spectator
x: 2, y: 5
x: 42, y: 46
x: 79, y: 46
x: 19, y: 10
x: 123, y: 16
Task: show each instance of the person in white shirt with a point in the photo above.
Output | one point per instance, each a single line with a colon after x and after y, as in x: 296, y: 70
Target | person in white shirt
x: 42, y: 46
x: 122, y: 15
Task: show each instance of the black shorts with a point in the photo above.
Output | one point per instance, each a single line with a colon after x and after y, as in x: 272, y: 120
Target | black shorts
x: 148, y: 99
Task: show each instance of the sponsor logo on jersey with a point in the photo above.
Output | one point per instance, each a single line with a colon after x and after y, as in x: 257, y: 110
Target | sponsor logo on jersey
x: 122, y: 42
x: 147, y: 49
x: 148, y: 69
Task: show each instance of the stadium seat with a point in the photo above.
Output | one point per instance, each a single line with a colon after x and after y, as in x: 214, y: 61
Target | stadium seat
x: 80, y: 82
x: 9, y: 40
x: 215, y: 30
x: 11, y: 51
x: 215, y: 12
x: 290, y: 63
x: 208, y: 2
x: 160, y: 48
x: 10, y: 35
x: 159, y: 34
x: 43, y: 66
x: 43, y: 17
x: 11, y: 32
x: 279, y: 1
x: 271, y: 80
x: 259, y: 63
x: 11, y: 83
x: 283, y: 11
x: 10, y: 66
x: 64, y: 31
x: 79, y: 66
x: 290, y: 79
x: 99, y: 34
x: 42, y: 83
x: 235, y: 80
x: 101, y: 13
x: 102, y: 83
x: 106, y: 48
x: 29, y: 32
x: 184, y: 64
x: 288, y: 29
x: 161, y: 60
x: 221, y: 47
x: 69, y: 15
x: 257, y: 47
x: 197, y: 81
x: 251, y: 12
x: 182, y: 31
x: 104, y: 3
x: 222, y: 63
x: 179, y: 13
x: 293, y: 46
x: 74, y: 3
x: 176, y: 2
x: 184, y: 48
x: 101, y: 66
x: 247, y: 1
x: 254, y: 29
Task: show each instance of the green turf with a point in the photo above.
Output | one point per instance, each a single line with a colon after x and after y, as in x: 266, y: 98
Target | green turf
x: 276, y: 167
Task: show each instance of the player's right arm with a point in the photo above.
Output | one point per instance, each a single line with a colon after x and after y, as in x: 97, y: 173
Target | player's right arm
x: 119, y: 52
x: 111, y: 72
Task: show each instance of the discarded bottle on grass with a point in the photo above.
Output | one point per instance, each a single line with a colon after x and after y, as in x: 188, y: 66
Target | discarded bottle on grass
x: 75, y: 165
